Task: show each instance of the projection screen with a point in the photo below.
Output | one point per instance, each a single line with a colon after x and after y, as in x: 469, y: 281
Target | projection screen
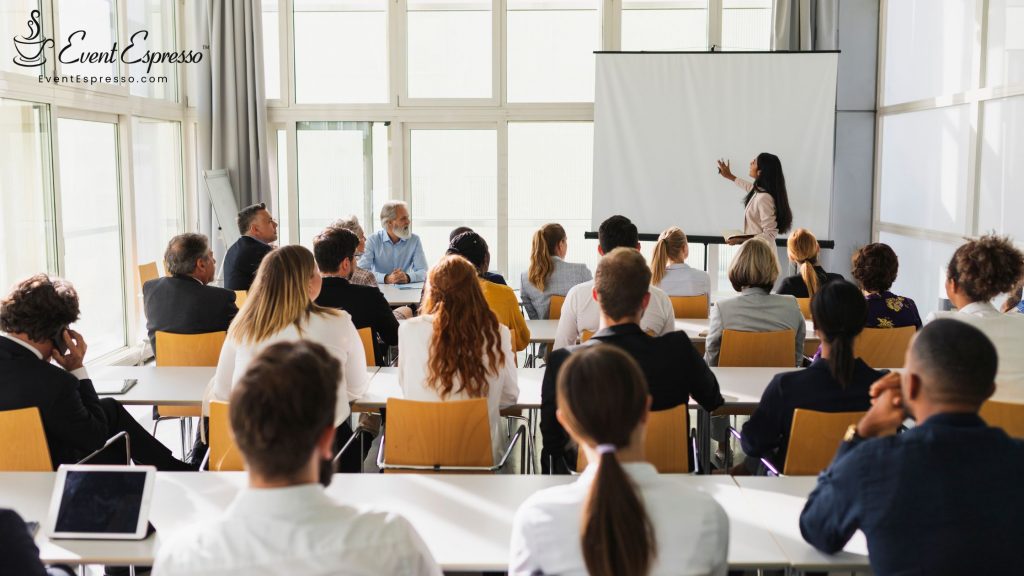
x: 661, y: 120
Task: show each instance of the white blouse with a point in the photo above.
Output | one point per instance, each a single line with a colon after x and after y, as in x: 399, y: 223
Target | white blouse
x: 1006, y: 331
x: 759, y: 215
x: 681, y: 279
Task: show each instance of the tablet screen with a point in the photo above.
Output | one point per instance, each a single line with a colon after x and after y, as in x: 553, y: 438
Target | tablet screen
x: 101, y: 502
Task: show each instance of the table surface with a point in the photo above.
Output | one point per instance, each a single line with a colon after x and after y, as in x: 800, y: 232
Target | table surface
x: 396, y: 296
x: 466, y: 521
x: 543, y: 331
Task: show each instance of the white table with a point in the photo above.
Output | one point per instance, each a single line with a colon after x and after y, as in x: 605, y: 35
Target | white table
x: 384, y: 385
x: 775, y: 505
x: 466, y: 521
x: 543, y: 331
x: 402, y: 294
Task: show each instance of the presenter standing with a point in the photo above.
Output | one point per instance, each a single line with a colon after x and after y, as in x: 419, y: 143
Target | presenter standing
x: 767, y: 212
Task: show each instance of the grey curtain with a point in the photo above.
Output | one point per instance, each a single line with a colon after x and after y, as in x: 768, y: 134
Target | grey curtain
x: 805, y: 25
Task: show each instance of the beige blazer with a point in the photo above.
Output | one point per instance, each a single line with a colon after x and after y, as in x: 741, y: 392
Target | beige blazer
x: 759, y: 216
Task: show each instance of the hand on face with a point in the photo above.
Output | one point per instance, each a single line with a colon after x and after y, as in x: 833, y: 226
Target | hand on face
x: 74, y: 358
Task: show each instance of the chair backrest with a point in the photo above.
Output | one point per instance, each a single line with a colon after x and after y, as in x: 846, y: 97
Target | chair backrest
x: 188, y: 349
x: 240, y: 296
x: 366, y: 335
x: 668, y: 441
x: 1005, y: 415
x: 224, y: 454
x: 586, y: 335
x: 147, y: 272
x: 451, y: 433
x: 758, y: 349
x: 805, y: 307
x: 884, y: 347
x: 24, y: 447
x: 555, y: 307
x: 690, y: 306
x: 814, y: 439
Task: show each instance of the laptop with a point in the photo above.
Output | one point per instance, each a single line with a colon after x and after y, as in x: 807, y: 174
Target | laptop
x: 101, y: 502
x: 113, y: 387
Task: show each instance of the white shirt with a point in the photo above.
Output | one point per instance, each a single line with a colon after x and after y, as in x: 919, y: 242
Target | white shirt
x: 335, y: 332
x: 581, y: 312
x: 683, y: 280
x: 502, y: 391
x: 299, y: 531
x: 1006, y: 331
x: 691, y: 529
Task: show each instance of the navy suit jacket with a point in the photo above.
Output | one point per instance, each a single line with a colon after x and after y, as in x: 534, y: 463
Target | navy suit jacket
x: 183, y: 305
x: 941, y: 498
x: 242, y: 261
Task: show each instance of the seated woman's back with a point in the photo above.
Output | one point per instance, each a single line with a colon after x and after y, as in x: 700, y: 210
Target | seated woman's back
x: 754, y: 310
x: 874, y: 268
x: 803, y: 250
x: 549, y: 275
x: 669, y: 270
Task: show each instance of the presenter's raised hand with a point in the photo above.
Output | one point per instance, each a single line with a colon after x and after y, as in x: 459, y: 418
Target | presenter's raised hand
x: 723, y: 169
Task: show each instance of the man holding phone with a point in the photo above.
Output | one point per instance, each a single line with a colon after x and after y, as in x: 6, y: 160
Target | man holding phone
x: 943, y: 497
x: 34, y: 320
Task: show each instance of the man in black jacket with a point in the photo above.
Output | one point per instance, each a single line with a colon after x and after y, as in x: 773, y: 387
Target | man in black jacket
x: 672, y: 366
x: 34, y: 318
x: 182, y: 303
x: 20, y: 555
x: 334, y: 250
x: 243, y: 259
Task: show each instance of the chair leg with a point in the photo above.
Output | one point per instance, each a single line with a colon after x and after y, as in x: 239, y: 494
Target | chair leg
x: 184, y: 437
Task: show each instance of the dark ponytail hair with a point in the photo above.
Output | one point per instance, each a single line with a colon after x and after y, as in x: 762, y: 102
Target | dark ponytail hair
x: 773, y: 182
x: 839, y: 311
x: 602, y: 394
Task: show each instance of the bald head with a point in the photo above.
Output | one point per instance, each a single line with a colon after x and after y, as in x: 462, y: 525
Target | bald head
x: 955, y: 362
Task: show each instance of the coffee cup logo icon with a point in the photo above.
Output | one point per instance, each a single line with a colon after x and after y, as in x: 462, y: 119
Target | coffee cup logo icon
x: 31, y: 49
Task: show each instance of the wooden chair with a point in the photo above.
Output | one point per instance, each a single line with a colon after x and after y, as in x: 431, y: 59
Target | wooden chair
x: 185, y: 350
x: 668, y: 441
x: 805, y: 307
x: 223, y: 455
x: 690, y: 306
x: 240, y: 296
x: 814, y: 439
x: 1005, y: 415
x: 884, y: 347
x: 366, y: 335
x: 24, y: 447
x: 586, y: 335
x: 451, y: 436
x: 758, y: 349
x: 147, y: 272
x: 555, y: 307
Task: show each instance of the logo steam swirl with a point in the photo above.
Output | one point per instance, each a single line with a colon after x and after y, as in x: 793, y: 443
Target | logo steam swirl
x: 31, y: 48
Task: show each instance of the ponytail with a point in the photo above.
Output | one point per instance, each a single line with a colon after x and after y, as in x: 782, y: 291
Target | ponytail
x: 545, y: 243
x: 839, y: 311
x: 671, y: 244
x: 810, y: 276
x: 803, y: 249
x: 617, y: 534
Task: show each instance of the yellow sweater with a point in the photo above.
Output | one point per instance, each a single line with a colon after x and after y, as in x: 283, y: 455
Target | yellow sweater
x: 502, y: 301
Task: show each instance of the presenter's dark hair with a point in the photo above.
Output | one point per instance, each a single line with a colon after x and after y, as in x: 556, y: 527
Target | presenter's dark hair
x: 602, y: 394
x: 839, y: 310
x: 773, y: 182
x: 247, y: 215
x: 617, y: 231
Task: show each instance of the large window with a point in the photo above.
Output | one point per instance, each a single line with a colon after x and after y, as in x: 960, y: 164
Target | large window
x: 664, y: 25
x: 98, y: 20
x: 449, y: 54
x: 156, y: 18
x: 335, y: 172
x: 21, y: 35
x: 156, y: 161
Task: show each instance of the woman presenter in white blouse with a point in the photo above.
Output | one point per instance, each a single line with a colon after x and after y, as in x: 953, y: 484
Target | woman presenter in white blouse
x: 767, y: 212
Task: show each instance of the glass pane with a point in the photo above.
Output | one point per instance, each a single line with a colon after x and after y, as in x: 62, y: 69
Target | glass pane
x: 929, y: 49
x: 282, y: 188
x: 156, y: 169
x: 331, y: 164
x: 664, y: 25
x: 1001, y: 193
x: 381, y: 178
x: 551, y: 46
x: 98, y: 21
x: 924, y: 168
x: 454, y: 175
x: 449, y: 48
x: 746, y: 24
x: 271, y: 50
x: 1005, y: 57
x: 156, y: 18
x: 25, y: 191
x: 91, y: 215
x: 922, y: 273
x: 341, y: 51
x: 22, y: 37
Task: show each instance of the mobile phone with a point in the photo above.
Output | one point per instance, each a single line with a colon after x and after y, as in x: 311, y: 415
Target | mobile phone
x: 58, y: 341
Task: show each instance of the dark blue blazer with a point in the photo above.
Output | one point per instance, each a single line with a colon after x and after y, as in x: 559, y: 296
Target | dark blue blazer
x: 183, y: 305
x: 242, y: 261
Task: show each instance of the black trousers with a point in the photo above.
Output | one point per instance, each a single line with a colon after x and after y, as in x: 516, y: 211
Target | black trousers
x: 145, y: 448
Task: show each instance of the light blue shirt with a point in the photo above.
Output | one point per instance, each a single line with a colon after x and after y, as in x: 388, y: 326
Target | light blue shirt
x: 382, y: 256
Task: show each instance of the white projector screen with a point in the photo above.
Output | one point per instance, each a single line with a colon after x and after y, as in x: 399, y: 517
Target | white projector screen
x: 661, y: 120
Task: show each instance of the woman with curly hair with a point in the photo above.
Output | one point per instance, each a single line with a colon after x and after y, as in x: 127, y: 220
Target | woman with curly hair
x: 874, y: 268
x: 979, y: 271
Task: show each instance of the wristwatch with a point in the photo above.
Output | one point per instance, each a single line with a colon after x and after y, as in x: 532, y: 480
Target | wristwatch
x: 851, y: 434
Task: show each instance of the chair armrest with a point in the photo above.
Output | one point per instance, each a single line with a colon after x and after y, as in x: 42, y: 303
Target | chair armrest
x: 110, y: 441
x: 360, y: 431
x: 772, y: 470
x: 520, y: 431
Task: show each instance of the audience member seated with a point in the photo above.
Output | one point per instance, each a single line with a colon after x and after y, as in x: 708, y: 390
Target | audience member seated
x: 184, y: 303
x: 837, y: 382
x: 394, y: 254
x: 620, y: 516
x: 487, y: 275
x: 438, y: 361
x: 283, y: 522
x: 334, y: 250
x: 979, y: 271
x: 281, y: 306
x: 942, y: 497
x: 500, y: 298
x: 1014, y: 304
x: 802, y: 248
x: 243, y: 259
x: 669, y: 270
x: 752, y: 273
x: 874, y: 268
x: 580, y: 312
x: 21, y: 556
x: 359, y: 276
x: 34, y: 318
x: 673, y: 369
x: 549, y: 275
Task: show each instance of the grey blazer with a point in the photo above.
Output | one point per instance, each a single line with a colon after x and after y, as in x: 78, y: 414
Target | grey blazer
x: 754, y: 310
x: 563, y: 277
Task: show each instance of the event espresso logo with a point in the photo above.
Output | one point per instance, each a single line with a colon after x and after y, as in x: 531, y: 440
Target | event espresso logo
x: 31, y: 51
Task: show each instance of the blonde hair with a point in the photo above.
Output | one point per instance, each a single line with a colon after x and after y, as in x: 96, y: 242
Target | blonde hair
x: 803, y: 249
x: 755, y: 266
x: 278, y: 297
x: 670, y: 246
x: 545, y: 243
